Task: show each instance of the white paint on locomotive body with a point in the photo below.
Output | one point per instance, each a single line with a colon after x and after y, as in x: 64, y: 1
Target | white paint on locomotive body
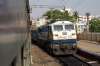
x: 63, y: 33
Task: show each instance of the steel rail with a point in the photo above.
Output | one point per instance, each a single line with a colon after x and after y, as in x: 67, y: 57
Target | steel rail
x: 73, y: 60
x: 89, y: 55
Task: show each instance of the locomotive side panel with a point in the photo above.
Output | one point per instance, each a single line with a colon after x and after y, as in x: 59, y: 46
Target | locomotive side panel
x: 34, y: 35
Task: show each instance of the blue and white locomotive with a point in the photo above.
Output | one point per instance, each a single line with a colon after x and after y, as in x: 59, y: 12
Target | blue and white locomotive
x: 58, y: 37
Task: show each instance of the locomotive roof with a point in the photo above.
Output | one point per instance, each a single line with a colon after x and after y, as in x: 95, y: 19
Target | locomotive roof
x: 56, y: 23
x: 60, y: 22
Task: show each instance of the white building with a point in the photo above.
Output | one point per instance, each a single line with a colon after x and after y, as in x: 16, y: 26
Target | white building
x: 84, y: 18
x: 81, y: 27
x: 67, y: 9
x: 42, y: 21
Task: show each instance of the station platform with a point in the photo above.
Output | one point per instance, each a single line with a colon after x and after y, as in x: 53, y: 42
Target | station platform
x: 89, y: 45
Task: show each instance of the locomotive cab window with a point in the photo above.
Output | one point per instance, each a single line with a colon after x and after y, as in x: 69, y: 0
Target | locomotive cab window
x: 58, y: 27
x: 67, y: 27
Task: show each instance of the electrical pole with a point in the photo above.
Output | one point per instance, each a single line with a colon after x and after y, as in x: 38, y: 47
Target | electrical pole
x: 77, y: 26
x: 64, y: 13
x: 87, y: 24
x: 51, y: 12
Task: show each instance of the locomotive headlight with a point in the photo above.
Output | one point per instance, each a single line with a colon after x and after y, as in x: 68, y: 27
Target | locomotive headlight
x: 73, y: 33
x: 56, y: 34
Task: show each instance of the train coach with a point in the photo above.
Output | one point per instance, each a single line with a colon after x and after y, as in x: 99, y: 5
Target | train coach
x: 58, y: 37
x: 15, y: 37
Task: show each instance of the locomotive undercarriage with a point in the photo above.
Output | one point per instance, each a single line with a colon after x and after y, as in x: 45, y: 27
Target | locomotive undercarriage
x: 59, y: 49
x: 64, y: 49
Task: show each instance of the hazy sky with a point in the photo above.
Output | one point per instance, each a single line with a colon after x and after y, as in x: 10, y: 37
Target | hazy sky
x: 82, y: 6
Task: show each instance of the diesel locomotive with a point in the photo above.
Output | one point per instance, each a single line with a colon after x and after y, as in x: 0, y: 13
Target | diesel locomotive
x: 15, y: 37
x: 58, y: 37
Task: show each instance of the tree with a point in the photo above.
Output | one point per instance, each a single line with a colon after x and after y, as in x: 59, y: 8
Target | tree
x: 48, y: 13
x: 68, y: 17
x: 94, y: 25
x: 87, y: 15
x: 75, y: 16
x: 58, y: 15
x: 54, y: 14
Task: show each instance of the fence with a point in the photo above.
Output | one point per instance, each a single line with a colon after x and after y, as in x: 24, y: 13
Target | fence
x: 89, y: 36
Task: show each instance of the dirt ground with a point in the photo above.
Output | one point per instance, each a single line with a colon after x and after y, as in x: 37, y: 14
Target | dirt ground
x: 42, y: 58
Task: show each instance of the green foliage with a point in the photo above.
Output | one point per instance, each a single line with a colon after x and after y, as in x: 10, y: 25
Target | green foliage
x: 48, y: 13
x: 76, y: 15
x: 54, y: 14
x: 67, y: 16
x: 94, y: 25
x: 58, y: 15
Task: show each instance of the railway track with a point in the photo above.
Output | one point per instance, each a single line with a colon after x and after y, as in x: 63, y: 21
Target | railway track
x: 72, y: 60
x: 89, y: 55
x: 81, y: 58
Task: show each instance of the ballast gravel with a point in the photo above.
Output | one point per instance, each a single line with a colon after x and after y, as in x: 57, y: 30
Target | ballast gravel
x: 39, y: 57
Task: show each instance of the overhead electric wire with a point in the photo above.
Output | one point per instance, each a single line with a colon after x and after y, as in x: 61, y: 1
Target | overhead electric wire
x: 54, y: 3
x: 63, y: 6
x: 57, y: 2
x: 37, y: 2
x: 65, y: 2
x: 78, y: 4
x: 52, y: 6
x: 60, y: 2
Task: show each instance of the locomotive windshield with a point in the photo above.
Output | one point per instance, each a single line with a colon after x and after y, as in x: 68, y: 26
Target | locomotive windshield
x: 58, y: 27
x: 69, y: 27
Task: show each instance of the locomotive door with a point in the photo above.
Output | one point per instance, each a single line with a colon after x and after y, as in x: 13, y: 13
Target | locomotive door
x: 49, y: 33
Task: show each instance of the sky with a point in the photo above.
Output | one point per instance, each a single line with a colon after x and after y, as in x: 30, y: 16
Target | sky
x: 82, y: 6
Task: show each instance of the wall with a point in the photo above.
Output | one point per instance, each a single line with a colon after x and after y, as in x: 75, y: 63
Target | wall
x: 89, y: 36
